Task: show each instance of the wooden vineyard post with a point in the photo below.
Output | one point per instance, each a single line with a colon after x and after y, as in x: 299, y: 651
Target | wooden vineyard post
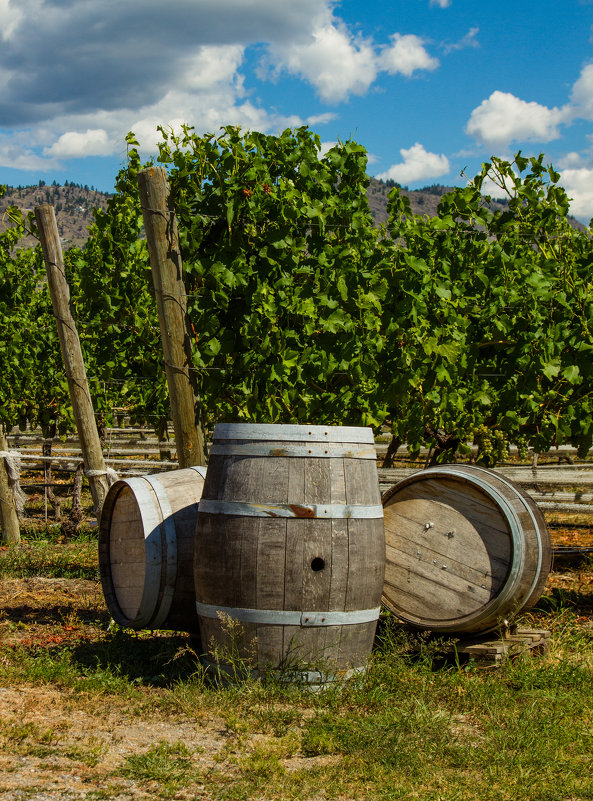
x: 165, y: 260
x: 9, y: 521
x: 82, y: 405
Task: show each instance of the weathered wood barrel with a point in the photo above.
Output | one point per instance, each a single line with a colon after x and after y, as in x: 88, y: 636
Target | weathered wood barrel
x: 465, y: 549
x: 290, y: 552
x: 146, y: 548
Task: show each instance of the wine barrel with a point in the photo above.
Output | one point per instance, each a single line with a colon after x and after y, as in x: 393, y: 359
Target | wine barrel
x: 146, y: 539
x: 290, y: 553
x: 465, y: 549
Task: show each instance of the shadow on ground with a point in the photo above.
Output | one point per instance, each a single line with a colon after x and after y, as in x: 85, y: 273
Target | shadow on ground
x: 159, y: 660
x: 54, y: 615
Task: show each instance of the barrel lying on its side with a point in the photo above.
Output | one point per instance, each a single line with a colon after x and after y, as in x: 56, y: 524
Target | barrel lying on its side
x: 290, y: 554
x: 146, y: 540
x: 465, y: 549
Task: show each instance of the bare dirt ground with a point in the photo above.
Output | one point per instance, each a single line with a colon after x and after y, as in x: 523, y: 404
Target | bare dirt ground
x: 73, y: 753
x: 57, y: 743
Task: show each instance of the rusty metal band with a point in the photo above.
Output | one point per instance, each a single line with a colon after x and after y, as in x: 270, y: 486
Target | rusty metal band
x: 328, y: 511
x: 279, y: 617
x: 314, y: 450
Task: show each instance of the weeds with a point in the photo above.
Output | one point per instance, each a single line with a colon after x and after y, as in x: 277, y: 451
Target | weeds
x: 41, y: 557
x: 413, y: 726
x: 170, y: 765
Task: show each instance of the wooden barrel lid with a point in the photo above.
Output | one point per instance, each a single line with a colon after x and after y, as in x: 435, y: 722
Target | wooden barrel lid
x: 146, y: 540
x: 456, y: 551
x: 127, y: 552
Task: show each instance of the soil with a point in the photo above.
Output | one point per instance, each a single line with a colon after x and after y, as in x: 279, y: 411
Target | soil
x: 57, y: 744
x: 67, y: 732
x: 73, y: 735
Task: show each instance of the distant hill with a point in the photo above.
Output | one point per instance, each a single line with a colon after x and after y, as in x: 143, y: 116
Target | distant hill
x: 422, y: 201
x: 74, y: 205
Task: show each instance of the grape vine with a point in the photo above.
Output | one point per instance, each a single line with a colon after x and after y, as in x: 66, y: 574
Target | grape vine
x: 472, y: 327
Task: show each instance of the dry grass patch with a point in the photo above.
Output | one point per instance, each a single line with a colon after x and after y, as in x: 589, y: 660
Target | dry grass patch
x: 61, y: 741
x: 46, y: 612
x: 93, y: 712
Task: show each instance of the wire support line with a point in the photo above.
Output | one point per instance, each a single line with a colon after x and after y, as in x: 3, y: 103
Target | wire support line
x: 169, y: 213
x: 329, y: 225
x: 59, y: 267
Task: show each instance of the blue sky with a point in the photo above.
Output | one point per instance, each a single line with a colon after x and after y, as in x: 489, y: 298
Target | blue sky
x: 431, y: 88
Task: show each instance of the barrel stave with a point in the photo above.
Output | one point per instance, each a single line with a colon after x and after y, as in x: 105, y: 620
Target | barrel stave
x: 537, y: 545
x: 291, y: 564
x: 361, y: 484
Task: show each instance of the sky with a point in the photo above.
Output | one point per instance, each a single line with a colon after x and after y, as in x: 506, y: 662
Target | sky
x: 431, y: 88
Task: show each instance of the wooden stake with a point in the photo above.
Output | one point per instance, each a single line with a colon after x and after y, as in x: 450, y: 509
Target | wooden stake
x: 165, y: 259
x: 84, y: 416
x: 8, y: 517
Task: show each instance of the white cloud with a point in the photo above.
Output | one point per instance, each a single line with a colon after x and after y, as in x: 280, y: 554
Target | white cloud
x: 440, y: 3
x: 112, y: 65
x: 103, y: 131
x: 417, y: 165
x: 110, y: 81
x: 331, y: 60
x: 578, y: 184
x: 204, y: 89
x: 73, y: 144
x: 209, y: 66
x: 17, y: 153
x: 406, y: 55
x: 339, y: 64
x: 325, y: 147
x: 503, y: 118
x: 321, y: 119
x: 469, y: 40
x: 570, y: 161
x: 11, y: 17
x: 582, y: 93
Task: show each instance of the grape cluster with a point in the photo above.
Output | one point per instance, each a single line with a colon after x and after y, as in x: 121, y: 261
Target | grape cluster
x: 493, y: 445
x: 522, y: 447
x: 584, y: 448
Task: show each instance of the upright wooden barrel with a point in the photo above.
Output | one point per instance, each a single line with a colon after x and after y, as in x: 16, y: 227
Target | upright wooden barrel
x: 465, y: 549
x: 146, y: 540
x: 290, y: 552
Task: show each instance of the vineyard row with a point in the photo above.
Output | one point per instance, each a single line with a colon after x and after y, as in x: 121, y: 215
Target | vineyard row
x: 554, y: 486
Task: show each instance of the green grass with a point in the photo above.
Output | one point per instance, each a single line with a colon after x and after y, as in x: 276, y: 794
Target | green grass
x: 29, y: 740
x: 406, y: 730
x: 413, y: 727
x: 169, y: 765
x: 50, y: 559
